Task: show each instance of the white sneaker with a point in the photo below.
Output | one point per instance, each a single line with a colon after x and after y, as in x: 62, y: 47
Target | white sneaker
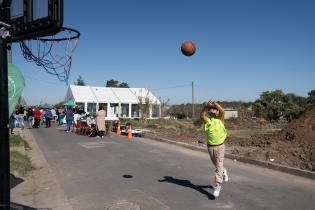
x: 225, y: 176
x: 216, y: 191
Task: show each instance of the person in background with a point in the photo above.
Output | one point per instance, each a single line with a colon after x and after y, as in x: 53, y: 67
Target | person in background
x: 100, y: 122
x: 25, y: 114
x: 216, y: 135
x: 76, y: 118
x: 54, y: 115
x: 69, y: 118
x: 48, y: 116
x: 12, y: 122
x: 37, y: 117
x: 58, y: 117
x: 20, y: 116
x: 90, y: 120
x: 30, y: 117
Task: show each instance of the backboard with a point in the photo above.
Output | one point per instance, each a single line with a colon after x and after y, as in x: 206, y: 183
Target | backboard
x: 29, y: 19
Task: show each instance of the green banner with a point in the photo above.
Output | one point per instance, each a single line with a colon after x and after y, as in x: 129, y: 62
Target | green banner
x: 16, y: 84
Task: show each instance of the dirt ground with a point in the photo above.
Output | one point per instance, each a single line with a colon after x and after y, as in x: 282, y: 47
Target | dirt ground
x: 291, y: 144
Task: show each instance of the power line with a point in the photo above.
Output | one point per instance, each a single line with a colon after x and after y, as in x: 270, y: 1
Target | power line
x: 172, y: 87
x: 43, y: 81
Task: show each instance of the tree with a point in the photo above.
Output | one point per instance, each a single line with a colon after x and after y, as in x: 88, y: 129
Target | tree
x: 164, y: 104
x: 181, y: 111
x: 293, y: 106
x: 112, y: 83
x: 144, y: 104
x: 311, y: 97
x: 115, y: 83
x: 79, y: 81
x: 269, y: 105
x: 123, y: 85
x: 274, y: 105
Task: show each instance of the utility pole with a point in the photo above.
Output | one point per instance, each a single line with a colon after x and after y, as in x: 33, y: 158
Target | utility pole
x: 10, y: 53
x: 4, y: 130
x: 193, y: 100
x: 4, y: 111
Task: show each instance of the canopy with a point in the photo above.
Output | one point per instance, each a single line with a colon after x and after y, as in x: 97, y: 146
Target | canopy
x: 16, y: 84
x: 70, y: 103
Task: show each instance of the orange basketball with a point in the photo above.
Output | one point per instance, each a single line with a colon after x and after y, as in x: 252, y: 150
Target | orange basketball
x: 188, y: 48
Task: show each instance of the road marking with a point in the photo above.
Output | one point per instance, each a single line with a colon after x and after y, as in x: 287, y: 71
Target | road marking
x: 92, y: 145
x: 123, y: 204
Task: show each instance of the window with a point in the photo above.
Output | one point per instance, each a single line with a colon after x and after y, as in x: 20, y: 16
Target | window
x: 155, y: 111
x: 134, y: 110
x: 124, y: 110
x: 113, y: 110
x: 91, y: 108
x: 80, y: 106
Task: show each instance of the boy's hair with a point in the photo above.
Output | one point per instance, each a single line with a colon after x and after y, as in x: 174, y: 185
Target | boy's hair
x: 213, y: 107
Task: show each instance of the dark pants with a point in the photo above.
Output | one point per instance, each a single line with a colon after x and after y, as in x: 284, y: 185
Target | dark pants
x: 101, y: 133
x: 69, y: 125
x: 48, y: 122
x: 36, y: 123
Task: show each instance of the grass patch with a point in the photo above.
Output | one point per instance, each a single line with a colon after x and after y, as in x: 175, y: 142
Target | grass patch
x: 20, y: 162
x: 17, y: 140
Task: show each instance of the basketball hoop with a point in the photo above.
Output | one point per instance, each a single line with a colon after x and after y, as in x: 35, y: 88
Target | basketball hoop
x: 53, y: 53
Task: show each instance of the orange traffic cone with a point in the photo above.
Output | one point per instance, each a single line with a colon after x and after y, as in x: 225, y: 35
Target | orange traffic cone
x: 118, y: 132
x: 129, y: 134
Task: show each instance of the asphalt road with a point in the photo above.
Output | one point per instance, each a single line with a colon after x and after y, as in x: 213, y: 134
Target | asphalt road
x: 114, y: 173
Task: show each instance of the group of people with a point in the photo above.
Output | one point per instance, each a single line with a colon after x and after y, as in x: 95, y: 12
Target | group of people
x: 96, y: 126
x: 34, y: 116
x: 74, y: 118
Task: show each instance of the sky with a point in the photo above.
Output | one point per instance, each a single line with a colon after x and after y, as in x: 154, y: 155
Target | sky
x: 244, y: 47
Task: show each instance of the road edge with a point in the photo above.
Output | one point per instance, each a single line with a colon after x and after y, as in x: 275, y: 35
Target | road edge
x: 48, y: 191
x: 265, y: 164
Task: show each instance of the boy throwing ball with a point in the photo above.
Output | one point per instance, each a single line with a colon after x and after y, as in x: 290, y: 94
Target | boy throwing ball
x: 216, y: 135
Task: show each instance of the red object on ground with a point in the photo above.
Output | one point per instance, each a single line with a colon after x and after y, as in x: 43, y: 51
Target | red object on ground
x: 129, y: 134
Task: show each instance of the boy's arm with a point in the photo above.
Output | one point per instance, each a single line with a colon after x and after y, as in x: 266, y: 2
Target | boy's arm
x: 221, y: 111
x: 203, y: 115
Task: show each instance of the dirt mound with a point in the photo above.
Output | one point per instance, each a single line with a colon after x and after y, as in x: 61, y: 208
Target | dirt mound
x: 296, y: 141
x: 294, y: 145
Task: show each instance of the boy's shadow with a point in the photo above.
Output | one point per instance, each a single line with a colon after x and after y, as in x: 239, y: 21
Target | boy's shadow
x: 187, y: 183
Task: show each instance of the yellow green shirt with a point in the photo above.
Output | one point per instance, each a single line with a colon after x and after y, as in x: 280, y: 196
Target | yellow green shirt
x: 215, y: 131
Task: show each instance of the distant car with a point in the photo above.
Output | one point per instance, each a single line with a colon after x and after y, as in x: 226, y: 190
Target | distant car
x: 135, y: 132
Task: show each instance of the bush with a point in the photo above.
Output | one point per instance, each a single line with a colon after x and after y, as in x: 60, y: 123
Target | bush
x: 16, y: 140
x: 19, y: 162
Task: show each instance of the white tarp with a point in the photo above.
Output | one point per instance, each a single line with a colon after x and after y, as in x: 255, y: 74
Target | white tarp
x: 109, y: 95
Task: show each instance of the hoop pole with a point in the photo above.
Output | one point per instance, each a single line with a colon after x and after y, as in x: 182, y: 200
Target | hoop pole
x: 4, y: 130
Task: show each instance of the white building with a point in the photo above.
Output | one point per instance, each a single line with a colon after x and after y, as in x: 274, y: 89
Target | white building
x: 118, y: 102
x: 230, y: 113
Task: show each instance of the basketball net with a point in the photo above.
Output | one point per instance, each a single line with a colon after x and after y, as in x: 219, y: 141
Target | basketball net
x: 53, y: 53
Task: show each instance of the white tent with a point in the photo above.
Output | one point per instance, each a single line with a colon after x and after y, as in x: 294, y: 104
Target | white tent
x: 118, y: 102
